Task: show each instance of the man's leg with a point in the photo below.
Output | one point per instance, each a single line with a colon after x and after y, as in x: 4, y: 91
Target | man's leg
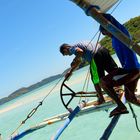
x: 96, y: 73
x: 130, y: 81
x: 130, y: 89
x: 99, y: 94
x: 107, y: 84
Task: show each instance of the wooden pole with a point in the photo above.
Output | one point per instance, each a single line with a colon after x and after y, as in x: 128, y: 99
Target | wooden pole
x: 97, y: 15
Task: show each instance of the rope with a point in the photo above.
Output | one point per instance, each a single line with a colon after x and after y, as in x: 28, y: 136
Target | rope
x: 134, y: 116
x: 32, y: 112
x: 85, y: 86
x: 116, y: 6
x: 133, y: 113
x: 86, y: 83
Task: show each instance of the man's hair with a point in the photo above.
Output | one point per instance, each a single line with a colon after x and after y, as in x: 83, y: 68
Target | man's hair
x: 62, y: 47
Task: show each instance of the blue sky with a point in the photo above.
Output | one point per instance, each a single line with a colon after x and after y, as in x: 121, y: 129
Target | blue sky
x: 31, y: 32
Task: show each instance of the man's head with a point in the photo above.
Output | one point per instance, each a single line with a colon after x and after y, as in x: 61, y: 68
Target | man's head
x: 104, y: 31
x: 64, y: 49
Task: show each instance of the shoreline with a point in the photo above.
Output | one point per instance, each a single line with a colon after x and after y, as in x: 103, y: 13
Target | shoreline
x: 40, y: 95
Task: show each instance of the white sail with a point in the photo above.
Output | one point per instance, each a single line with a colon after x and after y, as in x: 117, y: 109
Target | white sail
x: 104, y: 5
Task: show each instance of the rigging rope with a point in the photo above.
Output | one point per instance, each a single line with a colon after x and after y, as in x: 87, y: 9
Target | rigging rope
x: 85, y: 86
x: 116, y: 6
x: 32, y: 112
x: 86, y: 83
x: 134, y: 116
x: 133, y: 113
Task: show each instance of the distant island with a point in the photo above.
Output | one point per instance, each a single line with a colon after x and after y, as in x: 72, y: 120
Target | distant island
x: 133, y: 25
x: 25, y: 90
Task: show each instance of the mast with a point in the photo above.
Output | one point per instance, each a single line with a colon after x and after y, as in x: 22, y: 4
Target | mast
x: 91, y: 10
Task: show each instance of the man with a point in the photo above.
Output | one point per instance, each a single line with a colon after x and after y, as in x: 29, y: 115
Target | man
x: 97, y: 56
x: 128, y: 75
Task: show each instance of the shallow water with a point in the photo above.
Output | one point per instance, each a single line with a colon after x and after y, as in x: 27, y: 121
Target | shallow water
x: 87, y: 127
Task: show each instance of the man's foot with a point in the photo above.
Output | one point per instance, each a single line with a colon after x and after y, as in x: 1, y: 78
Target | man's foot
x: 118, y: 111
x: 99, y: 101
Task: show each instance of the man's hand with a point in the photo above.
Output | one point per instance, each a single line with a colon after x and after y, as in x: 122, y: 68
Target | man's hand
x: 68, y: 74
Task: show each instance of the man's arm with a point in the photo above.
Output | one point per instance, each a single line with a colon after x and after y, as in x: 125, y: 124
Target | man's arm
x: 76, y: 62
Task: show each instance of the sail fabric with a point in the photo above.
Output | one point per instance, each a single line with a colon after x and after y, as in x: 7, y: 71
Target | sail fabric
x: 104, y: 5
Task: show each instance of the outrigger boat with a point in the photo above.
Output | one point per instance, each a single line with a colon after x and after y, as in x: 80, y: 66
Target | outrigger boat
x: 61, y: 117
x: 90, y: 107
x: 92, y: 8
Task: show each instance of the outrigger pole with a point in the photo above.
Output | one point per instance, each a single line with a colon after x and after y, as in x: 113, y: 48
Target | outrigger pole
x: 110, y: 128
x: 68, y: 120
x: 92, y: 11
x: 60, y: 117
x: 113, y: 122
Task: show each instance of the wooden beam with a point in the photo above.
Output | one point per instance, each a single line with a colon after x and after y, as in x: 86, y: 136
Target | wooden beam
x: 97, y: 15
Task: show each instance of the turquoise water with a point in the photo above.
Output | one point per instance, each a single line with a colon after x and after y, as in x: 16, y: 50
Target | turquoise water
x: 86, y: 127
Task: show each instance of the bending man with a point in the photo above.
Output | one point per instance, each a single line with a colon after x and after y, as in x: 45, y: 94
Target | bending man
x: 98, y: 58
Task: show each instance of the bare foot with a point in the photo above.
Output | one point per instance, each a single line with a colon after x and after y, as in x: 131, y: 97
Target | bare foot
x: 99, y: 101
x: 118, y: 111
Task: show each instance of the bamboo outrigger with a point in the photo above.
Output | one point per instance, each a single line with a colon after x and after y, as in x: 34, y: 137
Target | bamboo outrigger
x: 89, y: 108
